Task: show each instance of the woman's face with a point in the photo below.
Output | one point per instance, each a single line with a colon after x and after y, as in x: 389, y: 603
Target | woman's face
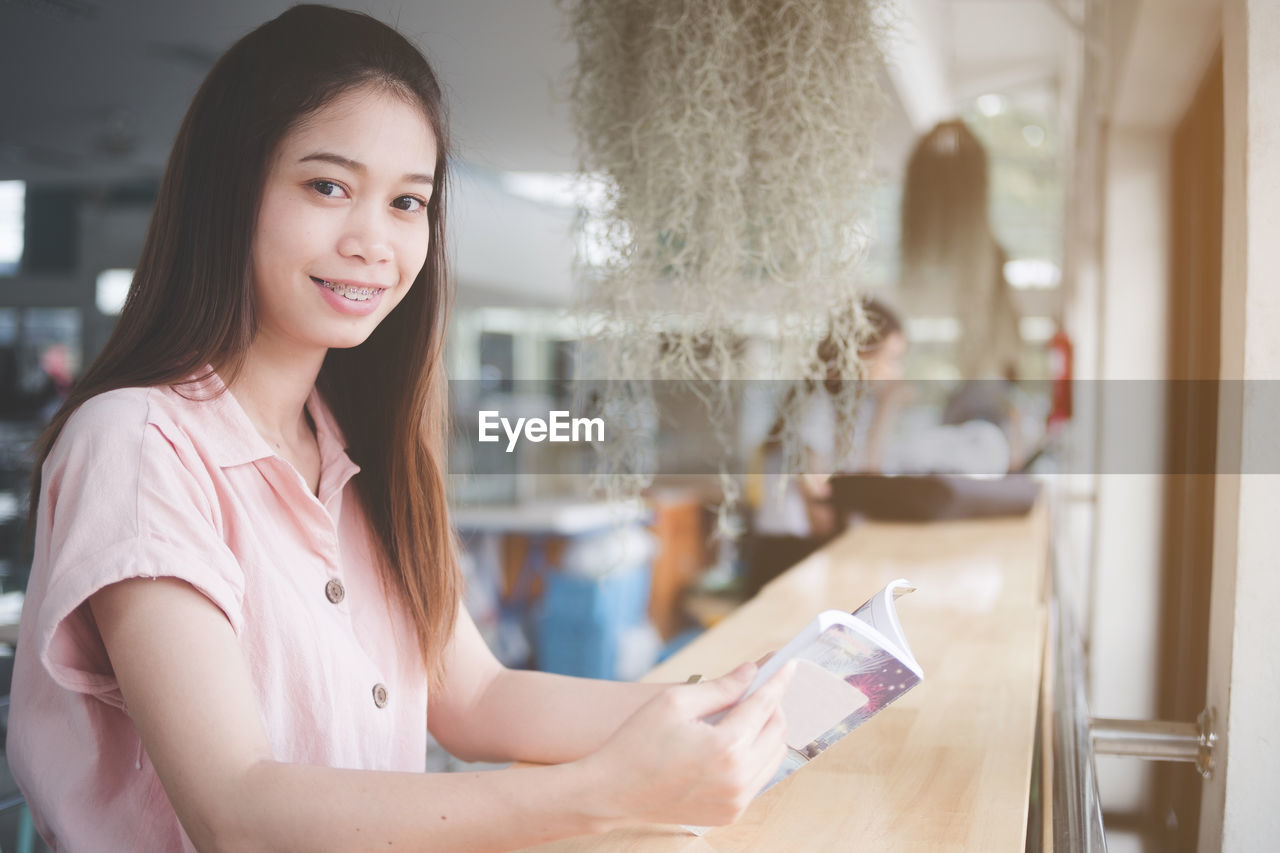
x: 343, y: 230
x: 887, y: 362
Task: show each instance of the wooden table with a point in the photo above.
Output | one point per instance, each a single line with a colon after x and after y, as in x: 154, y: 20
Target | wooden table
x: 947, y: 767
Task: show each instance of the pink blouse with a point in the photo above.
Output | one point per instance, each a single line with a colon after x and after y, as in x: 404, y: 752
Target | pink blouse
x: 145, y: 483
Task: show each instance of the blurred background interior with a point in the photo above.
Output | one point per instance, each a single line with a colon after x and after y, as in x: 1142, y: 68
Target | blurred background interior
x: 1087, y: 135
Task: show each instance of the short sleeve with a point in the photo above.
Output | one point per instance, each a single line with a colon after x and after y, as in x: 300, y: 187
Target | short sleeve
x: 120, y: 500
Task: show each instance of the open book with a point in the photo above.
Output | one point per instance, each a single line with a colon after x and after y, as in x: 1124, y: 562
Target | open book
x: 850, y: 665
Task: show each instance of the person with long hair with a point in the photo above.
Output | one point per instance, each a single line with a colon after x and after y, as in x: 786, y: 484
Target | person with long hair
x: 951, y: 262
x: 802, y: 509
x: 243, y: 616
x: 793, y: 521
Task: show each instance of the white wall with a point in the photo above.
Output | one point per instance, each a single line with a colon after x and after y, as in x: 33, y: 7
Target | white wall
x: 1133, y: 345
x: 1239, y: 808
x: 507, y: 250
x: 1159, y: 56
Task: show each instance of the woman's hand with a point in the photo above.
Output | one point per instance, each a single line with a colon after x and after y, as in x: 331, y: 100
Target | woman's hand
x: 666, y: 765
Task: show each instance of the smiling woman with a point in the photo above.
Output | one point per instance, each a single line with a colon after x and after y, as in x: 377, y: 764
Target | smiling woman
x: 339, y: 243
x: 244, y: 603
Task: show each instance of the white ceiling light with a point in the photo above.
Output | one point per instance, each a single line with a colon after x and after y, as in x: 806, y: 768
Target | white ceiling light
x: 13, y: 196
x: 1032, y: 274
x: 554, y: 188
x: 990, y: 105
x: 111, y: 289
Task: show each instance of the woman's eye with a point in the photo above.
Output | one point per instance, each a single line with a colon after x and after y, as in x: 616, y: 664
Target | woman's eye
x: 329, y: 189
x: 411, y: 203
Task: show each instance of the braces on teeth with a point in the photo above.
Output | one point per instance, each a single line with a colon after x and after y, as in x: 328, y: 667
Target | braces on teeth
x: 355, y: 294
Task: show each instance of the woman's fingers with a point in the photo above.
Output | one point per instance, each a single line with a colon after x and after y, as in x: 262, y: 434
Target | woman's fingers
x: 758, y: 761
x: 707, y: 697
x: 746, y: 719
x: 770, y: 748
x: 701, y: 773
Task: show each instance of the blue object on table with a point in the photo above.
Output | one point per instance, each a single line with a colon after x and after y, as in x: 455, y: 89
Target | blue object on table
x: 580, y: 620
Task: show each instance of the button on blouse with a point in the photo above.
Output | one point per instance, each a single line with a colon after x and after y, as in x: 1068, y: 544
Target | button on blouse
x: 334, y: 591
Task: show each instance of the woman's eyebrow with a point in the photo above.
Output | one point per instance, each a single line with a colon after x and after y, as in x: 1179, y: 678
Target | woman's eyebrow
x: 355, y: 166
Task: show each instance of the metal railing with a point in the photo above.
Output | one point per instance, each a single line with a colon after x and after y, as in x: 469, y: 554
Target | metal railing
x: 1077, y: 810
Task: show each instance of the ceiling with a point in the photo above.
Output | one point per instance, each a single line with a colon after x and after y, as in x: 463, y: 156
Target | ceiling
x: 96, y: 75
x: 95, y: 89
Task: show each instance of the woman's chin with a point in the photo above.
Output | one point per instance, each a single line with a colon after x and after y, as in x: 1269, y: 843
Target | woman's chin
x: 347, y: 341
x: 347, y: 335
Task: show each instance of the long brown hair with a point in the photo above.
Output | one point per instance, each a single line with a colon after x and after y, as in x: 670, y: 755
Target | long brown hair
x: 191, y: 303
x: 951, y: 261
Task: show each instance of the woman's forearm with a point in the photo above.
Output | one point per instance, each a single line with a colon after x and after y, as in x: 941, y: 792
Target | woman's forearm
x: 278, y: 807
x: 700, y: 774
x: 560, y: 718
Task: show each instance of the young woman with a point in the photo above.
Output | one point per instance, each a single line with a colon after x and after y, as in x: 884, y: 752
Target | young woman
x: 243, y: 613
x: 802, y: 510
x: 791, y: 522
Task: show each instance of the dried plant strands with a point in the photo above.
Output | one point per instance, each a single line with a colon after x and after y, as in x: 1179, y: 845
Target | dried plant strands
x: 735, y: 140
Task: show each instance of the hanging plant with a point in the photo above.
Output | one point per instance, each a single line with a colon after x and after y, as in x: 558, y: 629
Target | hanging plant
x: 733, y: 138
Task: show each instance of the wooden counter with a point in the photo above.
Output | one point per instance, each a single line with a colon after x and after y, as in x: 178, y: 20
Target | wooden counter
x: 947, y: 767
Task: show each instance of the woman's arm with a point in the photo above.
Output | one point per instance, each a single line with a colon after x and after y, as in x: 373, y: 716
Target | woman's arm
x: 190, y: 696
x: 891, y: 398
x: 815, y: 488
x: 560, y: 718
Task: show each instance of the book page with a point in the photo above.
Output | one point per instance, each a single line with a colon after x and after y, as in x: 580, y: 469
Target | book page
x: 873, y: 613
x: 878, y: 612
x: 847, y: 654
x: 816, y: 700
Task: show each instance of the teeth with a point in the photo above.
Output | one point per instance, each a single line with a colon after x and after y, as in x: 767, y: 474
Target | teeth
x: 355, y: 294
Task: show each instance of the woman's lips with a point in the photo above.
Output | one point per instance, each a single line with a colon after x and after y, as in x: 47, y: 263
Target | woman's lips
x: 365, y: 301
x: 352, y: 290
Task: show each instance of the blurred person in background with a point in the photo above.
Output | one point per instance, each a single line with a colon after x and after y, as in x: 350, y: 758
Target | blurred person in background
x: 951, y: 262
x: 791, y: 512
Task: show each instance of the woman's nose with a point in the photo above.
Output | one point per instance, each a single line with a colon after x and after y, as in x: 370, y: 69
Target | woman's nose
x: 366, y: 236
